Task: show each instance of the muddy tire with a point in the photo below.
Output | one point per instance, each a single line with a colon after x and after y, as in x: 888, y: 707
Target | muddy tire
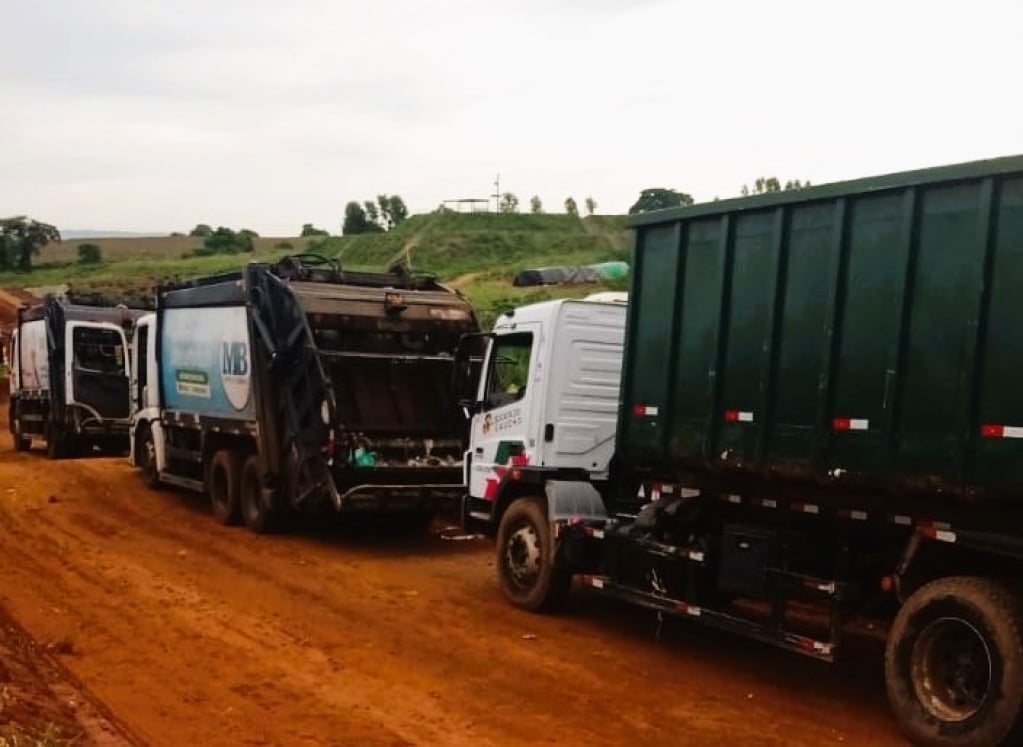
x: 146, y: 457
x: 260, y: 516
x: 55, y: 443
x: 21, y: 441
x: 525, y: 558
x: 954, y: 664
x: 223, y: 485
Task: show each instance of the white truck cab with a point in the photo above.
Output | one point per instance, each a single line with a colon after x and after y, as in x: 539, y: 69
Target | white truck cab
x: 547, y: 403
x: 146, y: 432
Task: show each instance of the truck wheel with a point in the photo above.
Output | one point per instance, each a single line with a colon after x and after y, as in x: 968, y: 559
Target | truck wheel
x: 525, y: 558
x: 54, y: 443
x: 223, y: 484
x: 954, y: 664
x: 259, y: 517
x: 146, y: 458
x: 21, y: 442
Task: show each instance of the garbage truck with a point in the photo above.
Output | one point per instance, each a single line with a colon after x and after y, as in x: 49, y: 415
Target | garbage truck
x: 300, y: 386
x: 69, y: 377
x: 810, y: 416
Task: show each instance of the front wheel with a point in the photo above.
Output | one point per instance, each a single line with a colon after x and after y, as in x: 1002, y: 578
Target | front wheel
x: 21, y: 441
x: 525, y: 558
x: 146, y: 457
x: 954, y: 664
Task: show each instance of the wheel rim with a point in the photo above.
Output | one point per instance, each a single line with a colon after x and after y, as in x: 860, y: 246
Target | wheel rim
x: 951, y: 668
x: 523, y: 556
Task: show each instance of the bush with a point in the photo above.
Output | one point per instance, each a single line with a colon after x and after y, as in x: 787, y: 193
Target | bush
x: 90, y: 254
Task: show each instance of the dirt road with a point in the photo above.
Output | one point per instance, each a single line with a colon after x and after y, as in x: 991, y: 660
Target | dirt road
x: 193, y: 633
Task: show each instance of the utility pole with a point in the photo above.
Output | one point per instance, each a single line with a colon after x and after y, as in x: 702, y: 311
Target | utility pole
x: 497, y: 194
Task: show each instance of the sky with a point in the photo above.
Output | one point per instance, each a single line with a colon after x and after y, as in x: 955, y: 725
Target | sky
x: 158, y: 115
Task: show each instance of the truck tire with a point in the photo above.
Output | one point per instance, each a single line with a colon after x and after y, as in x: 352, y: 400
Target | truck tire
x: 21, y: 442
x: 954, y: 664
x: 54, y: 443
x: 525, y: 558
x: 223, y: 485
x: 146, y: 457
x: 259, y: 517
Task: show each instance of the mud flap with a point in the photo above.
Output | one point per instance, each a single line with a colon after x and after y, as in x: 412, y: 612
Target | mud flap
x: 571, y: 507
x: 574, y: 501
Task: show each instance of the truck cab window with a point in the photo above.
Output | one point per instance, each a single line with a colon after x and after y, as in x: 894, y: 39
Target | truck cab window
x: 98, y: 350
x: 509, y: 369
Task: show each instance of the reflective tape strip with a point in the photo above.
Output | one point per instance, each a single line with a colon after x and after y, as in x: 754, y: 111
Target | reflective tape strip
x: 732, y: 498
x: 854, y: 514
x: 688, y: 609
x: 647, y: 411
x: 738, y: 416
x: 1001, y: 431
x: 806, y: 508
x: 851, y: 424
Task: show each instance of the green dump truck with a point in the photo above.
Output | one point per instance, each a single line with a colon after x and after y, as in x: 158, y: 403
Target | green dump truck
x: 820, y: 420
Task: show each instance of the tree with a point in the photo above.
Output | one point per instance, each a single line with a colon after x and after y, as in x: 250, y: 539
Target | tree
x: 308, y: 229
x: 509, y: 203
x: 535, y: 206
x: 570, y: 207
x: 355, y: 221
x: 90, y: 254
x: 21, y: 239
x: 399, y: 210
x: 372, y: 217
x: 249, y: 232
x: 769, y: 184
x: 392, y: 211
x: 658, y: 198
x: 591, y: 206
x: 226, y: 241
x: 201, y: 231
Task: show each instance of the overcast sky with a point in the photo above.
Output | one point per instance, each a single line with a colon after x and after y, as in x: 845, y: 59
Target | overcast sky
x: 155, y: 115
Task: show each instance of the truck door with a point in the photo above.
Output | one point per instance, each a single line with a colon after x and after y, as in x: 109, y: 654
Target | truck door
x: 140, y: 367
x: 97, y: 369
x: 14, y: 374
x: 500, y: 426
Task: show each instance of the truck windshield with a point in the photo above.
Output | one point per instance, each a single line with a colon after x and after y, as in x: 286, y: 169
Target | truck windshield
x: 98, y: 350
x: 509, y: 369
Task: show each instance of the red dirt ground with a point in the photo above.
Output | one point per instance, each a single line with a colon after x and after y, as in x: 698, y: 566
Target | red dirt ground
x: 186, y: 632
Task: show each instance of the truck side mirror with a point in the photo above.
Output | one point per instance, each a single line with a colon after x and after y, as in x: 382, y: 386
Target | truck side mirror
x: 468, y: 368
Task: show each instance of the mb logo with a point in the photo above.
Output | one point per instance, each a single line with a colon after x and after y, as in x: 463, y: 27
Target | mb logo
x: 234, y: 371
x: 235, y: 359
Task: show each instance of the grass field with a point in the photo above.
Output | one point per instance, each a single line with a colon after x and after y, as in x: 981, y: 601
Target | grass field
x: 477, y: 253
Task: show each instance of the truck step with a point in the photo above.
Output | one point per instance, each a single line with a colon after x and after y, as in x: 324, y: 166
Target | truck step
x: 182, y: 482
x: 776, y: 636
x: 805, y: 588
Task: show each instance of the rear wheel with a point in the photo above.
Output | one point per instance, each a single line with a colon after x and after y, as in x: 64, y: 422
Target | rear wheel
x: 55, y: 443
x: 260, y: 515
x: 954, y: 664
x: 525, y: 558
x: 223, y: 486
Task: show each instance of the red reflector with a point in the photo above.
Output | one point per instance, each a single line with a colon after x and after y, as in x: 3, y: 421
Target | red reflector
x: 639, y: 410
x: 842, y: 424
x: 731, y: 416
x: 992, y: 431
x: 928, y: 531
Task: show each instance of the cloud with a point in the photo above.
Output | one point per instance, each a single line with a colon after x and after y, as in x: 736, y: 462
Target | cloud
x: 154, y: 116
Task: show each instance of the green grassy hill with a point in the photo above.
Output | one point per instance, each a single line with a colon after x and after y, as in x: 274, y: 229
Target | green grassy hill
x: 477, y: 253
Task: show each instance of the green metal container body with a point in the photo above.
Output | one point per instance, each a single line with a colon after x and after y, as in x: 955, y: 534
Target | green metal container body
x: 864, y: 333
